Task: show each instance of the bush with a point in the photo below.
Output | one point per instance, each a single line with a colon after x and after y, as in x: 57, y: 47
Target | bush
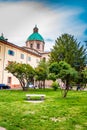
x: 55, y: 85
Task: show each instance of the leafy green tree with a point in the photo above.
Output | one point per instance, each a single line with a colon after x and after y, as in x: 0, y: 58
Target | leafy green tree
x: 65, y: 72
x: 40, y: 76
x: 84, y: 77
x: 23, y: 72
x: 41, y: 73
x: 53, y: 68
x: 43, y: 64
x: 52, y: 76
x: 67, y: 49
x: 53, y: 71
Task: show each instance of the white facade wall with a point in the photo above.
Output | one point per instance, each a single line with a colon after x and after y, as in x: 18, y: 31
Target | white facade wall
x: 1, y: 61
x: 5, y: 58
x: 46, y: 56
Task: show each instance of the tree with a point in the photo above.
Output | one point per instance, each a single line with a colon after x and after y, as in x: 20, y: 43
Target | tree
x: 52, y: 76
x: 23, y: 72
x: 67, y: 49
x: 53, y: 71
x: 65, y: 72
x: 84, y: 77
x: 54, y: 68
x: 41, y: 73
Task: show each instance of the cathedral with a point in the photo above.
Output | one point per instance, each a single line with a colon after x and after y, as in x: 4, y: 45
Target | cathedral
x: 31, y: 53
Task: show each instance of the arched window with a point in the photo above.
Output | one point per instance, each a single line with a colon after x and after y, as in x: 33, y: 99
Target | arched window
x: 9, y: 80
x: 38, y: 46
x: 31, y: 45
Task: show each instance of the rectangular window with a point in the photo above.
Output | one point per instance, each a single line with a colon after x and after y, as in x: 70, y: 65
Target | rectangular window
x: 38, y: 46
x: 29, y: 58
x: 31, y: 45
x: 22, y: 56
x: 9, y: 80
x: 10, y: 52
x: 0, y: 48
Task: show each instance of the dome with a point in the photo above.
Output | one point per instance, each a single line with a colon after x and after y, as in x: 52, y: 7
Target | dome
x: 35, y: 35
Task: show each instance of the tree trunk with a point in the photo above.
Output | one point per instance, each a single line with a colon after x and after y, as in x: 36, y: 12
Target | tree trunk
x: 65, y: 93
x: 39, y: 85
x: 66, y: 89
x: 44, y: 84
x: 25, y: 88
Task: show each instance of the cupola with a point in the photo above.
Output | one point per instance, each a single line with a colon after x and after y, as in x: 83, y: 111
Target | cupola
x: 35, y: 40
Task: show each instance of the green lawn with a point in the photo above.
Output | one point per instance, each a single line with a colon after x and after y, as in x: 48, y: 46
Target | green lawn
x: 55, y: 113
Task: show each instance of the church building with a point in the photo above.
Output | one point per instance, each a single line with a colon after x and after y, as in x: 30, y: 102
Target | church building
x: 31, y: 53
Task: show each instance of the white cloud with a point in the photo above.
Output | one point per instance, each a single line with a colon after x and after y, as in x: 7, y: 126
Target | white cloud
x: 17, y: 20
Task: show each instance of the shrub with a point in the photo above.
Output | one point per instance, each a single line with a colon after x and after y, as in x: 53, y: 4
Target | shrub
x: 55, y: 85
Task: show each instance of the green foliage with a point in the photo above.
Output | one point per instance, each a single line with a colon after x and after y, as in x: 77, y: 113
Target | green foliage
x: 52, y: 76
x: 62, y: 70
x: 40, y: 73
x: 43, y: 64
x: 55, y: 85
x: 84, y: 73
x: 23, y: 72
x: 67, y: 49
x: 53, y: 68
x: 53, y: 71
x: 66, y: 72
x: 41, y: 70
x: 83, y: 76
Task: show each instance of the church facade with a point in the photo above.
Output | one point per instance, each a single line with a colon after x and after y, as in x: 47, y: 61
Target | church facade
x: 31, y: 53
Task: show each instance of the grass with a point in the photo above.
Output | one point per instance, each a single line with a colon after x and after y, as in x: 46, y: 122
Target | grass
x: 55, y: 113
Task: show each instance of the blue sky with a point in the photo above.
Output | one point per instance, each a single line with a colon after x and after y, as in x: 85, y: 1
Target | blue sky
x: 52, y: 17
